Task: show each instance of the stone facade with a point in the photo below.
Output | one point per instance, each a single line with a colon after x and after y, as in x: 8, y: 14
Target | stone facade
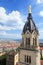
x: 10, y: 57
x: 16, y: 58
x: 29, y: 50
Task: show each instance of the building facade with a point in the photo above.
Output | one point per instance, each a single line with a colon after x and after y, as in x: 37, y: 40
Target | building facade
x: 12, y: 57
x: 29, y: 50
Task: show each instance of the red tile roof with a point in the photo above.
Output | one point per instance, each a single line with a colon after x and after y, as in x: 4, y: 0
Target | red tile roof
x: 41, y: 48
x: 41, y: 62
x: 11, y: 44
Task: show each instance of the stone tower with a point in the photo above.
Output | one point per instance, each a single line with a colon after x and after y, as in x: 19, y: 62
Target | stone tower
x: 29, y: 51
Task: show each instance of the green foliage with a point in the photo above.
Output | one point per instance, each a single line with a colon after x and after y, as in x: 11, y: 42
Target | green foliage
x: 41, y: 57
x: 3, y: 59
x: 3, y: 56
x: 3, y: 62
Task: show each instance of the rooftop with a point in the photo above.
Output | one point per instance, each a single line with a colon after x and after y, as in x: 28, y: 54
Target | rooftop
x: 41, y: 62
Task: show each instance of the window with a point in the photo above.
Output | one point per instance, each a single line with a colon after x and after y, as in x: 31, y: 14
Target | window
x: 22, y: 40
x: 27, y: 59
x: 35, y: 41
x: 27, y: 41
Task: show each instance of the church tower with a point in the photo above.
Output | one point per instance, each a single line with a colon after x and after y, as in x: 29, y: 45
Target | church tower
x: 29, y: 51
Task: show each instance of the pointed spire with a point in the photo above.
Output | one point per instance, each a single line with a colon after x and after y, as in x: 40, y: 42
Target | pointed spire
x: 29, y: 9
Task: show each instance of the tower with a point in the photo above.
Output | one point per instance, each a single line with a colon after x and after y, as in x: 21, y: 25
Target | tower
x: 29, y: 51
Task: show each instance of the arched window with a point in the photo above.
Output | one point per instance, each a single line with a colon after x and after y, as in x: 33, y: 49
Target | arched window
x: 22, y: 40
x: 27, y: 41
x: 29, y: 59
x: 25, y: 58
x: 35, y: 41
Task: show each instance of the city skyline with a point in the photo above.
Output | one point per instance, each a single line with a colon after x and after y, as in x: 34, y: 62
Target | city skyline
x: 13, y: 15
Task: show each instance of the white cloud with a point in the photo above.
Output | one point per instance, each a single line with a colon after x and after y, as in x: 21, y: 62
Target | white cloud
x: 39, y: 1
x: 14, y: 19
x: 11, y: 21
x: 7, y: 28
x: 9, y: 35
x: 40, y: 25
x: 40, y: 29
x: 3, y: 15
x: 41, y: 33
x: 41, y: 13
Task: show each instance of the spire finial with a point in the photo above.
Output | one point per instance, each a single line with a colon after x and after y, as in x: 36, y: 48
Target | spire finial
x: 29, y: 9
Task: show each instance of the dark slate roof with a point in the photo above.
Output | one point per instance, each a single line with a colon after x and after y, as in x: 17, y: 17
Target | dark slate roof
x: 30, y: 25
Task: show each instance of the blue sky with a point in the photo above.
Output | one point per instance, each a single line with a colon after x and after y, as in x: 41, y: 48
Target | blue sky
x: 13, y: 14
